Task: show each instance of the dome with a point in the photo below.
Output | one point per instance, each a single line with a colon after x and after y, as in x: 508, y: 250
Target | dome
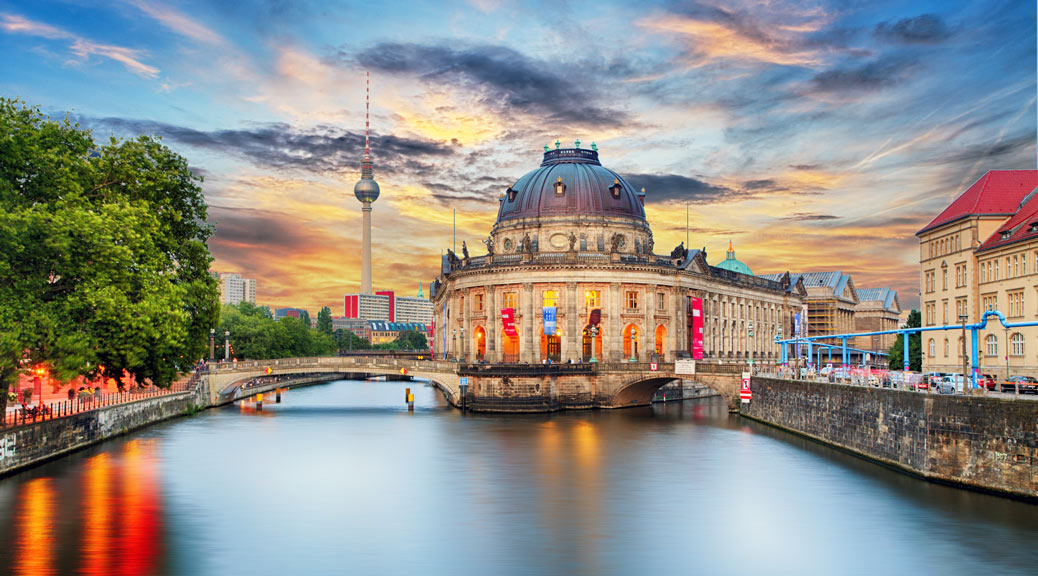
x: 571, y: 182
x: 366, y: 190
x: 732, y: 265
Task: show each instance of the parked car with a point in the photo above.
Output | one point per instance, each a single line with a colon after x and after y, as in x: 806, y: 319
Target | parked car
x: 944, y: 385
x: 1028, y: 384
x: 987, y: 381
x: 920, y: 385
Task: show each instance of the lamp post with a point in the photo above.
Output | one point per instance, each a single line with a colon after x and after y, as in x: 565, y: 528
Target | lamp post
x: 454, y: 343
x: 965, y: 382
x: 463, y: 344
x: 633, y: 357
x: 212, y: 344
x: 226, y: 344
x: 593, y: 331
x: 750, y: 327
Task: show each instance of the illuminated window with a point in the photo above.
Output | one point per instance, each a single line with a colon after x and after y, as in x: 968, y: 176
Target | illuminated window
x: 592, y: 298
x: 509, y: 300
x: 631, y: 299
x: 550, y: 298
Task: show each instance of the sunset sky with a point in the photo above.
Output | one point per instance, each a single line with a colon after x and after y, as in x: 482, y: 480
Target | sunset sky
x: 813, y: 135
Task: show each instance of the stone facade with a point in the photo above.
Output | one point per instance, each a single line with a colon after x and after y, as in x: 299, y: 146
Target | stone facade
x: 984, y: 443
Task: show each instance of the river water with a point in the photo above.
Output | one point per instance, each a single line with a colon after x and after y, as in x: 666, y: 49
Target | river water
x: 341, y: 478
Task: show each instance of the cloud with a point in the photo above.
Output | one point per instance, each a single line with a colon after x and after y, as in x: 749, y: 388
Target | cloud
x: 81, y: 48
x: 875, y: 75
x: 922, y: 29
x: 178, y: 22
x: 282, y: 146
x: 505, y: 80
x: 808, y: 217
x: 667, y: 187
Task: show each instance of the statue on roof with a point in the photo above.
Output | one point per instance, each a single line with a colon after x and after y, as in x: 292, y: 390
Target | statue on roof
x: 464, y: 250
x: 489, y: 242
x: 679, y: 252
x: 527, y: 245
x: 572, y: 241
x: 649, y: 243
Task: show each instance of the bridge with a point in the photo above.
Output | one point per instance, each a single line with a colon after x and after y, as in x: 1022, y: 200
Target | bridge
x: 489, y: 387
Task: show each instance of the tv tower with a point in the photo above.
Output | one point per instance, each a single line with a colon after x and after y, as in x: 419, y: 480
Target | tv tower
x: 366, y: 191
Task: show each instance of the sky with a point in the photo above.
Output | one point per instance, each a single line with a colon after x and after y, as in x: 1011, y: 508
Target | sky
x: 812, y: 135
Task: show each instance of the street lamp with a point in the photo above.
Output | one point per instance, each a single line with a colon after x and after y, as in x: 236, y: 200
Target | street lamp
x: 454, y: 343
x: 965, y: 386
x: 751, y: 346
x: 212, y: 344
x: 634, y: 358
x: 463, y: 344
x: 226, y: 344
x: 593, y: 332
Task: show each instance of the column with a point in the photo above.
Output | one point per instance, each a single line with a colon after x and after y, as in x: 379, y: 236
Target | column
x: 493, y: 326
x: 572, y: 337
x: 648, y: 345
x: 465, y: 334
x: 528, y: 350
x: 612, y: 346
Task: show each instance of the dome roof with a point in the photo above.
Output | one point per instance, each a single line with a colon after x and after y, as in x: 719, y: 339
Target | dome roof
x: 366, y: 190
x: 571, y: 181
x: 731, y: 264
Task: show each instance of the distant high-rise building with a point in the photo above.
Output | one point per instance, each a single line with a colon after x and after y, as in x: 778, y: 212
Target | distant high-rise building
x: 235, y: 289
x: 367, y: 306
x: 388, y: 307
x: 414, y: 310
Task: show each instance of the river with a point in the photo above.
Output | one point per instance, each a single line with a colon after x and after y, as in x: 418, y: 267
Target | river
x: 340, y: 478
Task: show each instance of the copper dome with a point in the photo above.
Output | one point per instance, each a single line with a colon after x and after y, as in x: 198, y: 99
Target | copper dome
x: 571, y: 181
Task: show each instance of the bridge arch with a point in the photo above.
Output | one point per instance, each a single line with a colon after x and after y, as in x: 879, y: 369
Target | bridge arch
x: 639, y: 390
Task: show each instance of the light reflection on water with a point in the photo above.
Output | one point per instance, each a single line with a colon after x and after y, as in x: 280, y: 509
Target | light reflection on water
x: 341, y: 478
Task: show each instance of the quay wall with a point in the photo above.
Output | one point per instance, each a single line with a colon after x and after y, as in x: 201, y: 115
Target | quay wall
x: 986, y: 443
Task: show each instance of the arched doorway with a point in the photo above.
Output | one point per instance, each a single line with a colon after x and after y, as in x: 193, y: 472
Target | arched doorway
x: 551, y: 346
x: 509, y: 348
x: 586, y: 347
x: 661, y: 339
x: 631, y: 336
x: 479, y: 343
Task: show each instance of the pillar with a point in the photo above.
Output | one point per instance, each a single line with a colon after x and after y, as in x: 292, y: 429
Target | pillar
x: 493, y: 326
x: 612, y: 346
x: 528, y: 350
x: 648, y: 345
x: 572, y: 337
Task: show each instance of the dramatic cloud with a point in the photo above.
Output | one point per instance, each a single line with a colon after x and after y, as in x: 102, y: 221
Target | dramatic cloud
x: 808, y: 217
x: 282, y: 146
x: 923, y: 29
x: 874, y: 75
x: 668, y: 187
x: 505, y: 80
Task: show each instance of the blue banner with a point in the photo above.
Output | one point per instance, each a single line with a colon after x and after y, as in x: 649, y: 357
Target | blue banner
x: 549, y: 320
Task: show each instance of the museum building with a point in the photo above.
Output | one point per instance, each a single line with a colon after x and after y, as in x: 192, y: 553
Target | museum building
x: 570, y: 274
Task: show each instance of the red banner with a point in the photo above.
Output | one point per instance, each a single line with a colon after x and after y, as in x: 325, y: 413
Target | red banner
x: 508, y: 321
x: 594, y: 317
x: 697, y: 327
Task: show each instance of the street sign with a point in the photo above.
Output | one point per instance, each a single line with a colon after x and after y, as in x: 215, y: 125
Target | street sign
x: 464, y: 381
x: 744, y: 394
x: 653, y: 366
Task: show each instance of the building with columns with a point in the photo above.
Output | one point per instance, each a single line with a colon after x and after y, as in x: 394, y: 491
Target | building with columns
x: 571, y: 266
x: 981, y: 253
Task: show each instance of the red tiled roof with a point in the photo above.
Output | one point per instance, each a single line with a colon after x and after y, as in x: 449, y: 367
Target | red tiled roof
x: 1017, y: 228
x: 996, y: 193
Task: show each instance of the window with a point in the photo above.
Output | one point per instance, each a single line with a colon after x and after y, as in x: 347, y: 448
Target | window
x: 478, y: 302
x: 944, y: 279
x: 984, y: 272
x: 631, y: 298
x: 509, y: 300
x: 661, y: 301
x: 931, y: 348
x: 1009, y: 269
x: 944, y: 312
x: 592, y: 299
x: 550, y: 298
x: 945, y: 347
x: 991, y: 343
x: 1016, y: 267
x: 1017, y: 344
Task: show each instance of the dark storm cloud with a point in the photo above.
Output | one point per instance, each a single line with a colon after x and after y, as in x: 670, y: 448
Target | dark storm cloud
x: 808, y: 217
x: 247, y: 230
x: 664, y: 187
x: 282, y: 146
x: 1015, y: 152
x: 922, y: 29
x: 505, y: 79
x: 875, y: 75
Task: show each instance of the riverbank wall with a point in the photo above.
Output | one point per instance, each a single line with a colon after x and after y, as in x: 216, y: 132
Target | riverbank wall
x: 985, y: 443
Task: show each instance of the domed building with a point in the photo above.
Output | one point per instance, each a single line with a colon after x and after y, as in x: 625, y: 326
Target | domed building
x: 732, y: 265
x: 571, y: 274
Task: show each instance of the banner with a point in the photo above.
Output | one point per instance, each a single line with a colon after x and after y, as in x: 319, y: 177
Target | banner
x: 548, y: 316
x: 595, y: 317
x: 508, y: 321
x: 697, y: 328
x: 796, y: 333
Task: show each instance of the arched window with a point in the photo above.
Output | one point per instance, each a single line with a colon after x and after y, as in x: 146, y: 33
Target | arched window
x: 931, y: 348
x: 945, y: 347
x: 1017, y: 344
x: 991, y: 342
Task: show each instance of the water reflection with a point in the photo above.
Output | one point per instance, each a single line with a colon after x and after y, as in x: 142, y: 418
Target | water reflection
x: 343, y: 478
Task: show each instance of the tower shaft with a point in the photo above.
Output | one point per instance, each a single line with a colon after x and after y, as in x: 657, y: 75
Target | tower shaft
x: 365, y: 256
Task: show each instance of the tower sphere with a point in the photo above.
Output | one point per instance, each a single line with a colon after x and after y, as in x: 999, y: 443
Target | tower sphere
x: 366, y: 190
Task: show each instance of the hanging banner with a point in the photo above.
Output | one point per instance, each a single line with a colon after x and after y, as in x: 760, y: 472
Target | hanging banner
x: 548, y: 316
x: 697, y: 327
x: 446, y: 316
x: 796, y: 333
x: 508, y: 321
x: 595, y: 317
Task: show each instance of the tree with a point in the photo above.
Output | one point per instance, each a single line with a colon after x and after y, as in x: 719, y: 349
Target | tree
x: 324, y: 320
x: 255, y: 335
x: 304, y: 317
x: 915, y: 346
x: 411, y: 340
x: 103, y: 255
x: 347, y: 340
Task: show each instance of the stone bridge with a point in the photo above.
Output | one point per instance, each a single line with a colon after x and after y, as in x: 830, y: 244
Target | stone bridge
x: 490, y: 387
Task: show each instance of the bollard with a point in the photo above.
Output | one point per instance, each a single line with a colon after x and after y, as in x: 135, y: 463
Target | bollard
x: 407, y: 394
x: 410, y: 402
x: 277, y: 396
x: 259, y: 402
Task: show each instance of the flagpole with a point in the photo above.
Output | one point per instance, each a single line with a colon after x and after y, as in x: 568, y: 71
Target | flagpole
x: 454, y: 225
x: 686, y: 223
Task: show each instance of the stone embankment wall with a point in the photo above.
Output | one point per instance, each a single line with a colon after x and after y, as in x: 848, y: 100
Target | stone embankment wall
x: 982, y: 442
x: 33, y: 444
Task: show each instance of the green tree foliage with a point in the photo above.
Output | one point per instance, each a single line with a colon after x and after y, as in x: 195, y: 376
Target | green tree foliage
x: 324, y: 320
x: 406, y: 340
x: 304, y: 317
x: 915, y: 346
x: 255, y: 335
x: 347, y: 340
x: 103, y: 256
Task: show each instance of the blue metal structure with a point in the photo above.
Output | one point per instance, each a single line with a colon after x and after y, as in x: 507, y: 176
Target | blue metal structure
x: 973, y: 328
